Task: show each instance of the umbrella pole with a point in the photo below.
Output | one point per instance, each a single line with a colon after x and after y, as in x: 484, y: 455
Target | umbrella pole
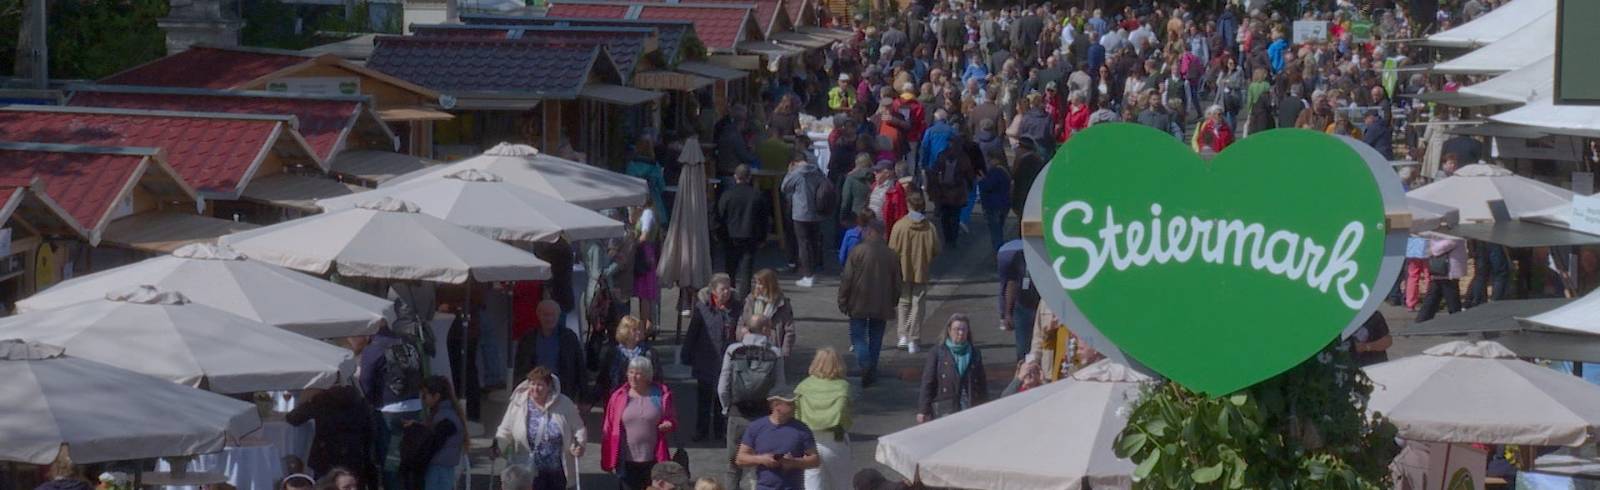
x: 466, y: 325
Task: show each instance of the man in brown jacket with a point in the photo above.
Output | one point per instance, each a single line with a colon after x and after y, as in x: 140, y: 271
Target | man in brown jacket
x: 916, y: 242
x: 868, y: 290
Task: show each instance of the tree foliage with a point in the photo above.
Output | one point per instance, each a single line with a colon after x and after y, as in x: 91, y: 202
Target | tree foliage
x: 89, y: 39
x: 1305, y: 428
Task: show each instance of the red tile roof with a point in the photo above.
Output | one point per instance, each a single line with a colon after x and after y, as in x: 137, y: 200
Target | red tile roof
x: 717, y: 27
x: 211, y: 153
x: 586, y: 11
x: 766, y: 11
x: 322, y: 122
x: 85, y: 184
x: 206, y: 67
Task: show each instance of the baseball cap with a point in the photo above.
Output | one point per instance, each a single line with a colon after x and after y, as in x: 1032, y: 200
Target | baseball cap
x: 670, y: 472
x: 783, y: 395
x: 844, y: 77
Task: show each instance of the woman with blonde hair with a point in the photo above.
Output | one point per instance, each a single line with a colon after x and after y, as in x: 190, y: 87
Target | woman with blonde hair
x: 766, y: 299
x: 822, y: 402
x: 629, y: 343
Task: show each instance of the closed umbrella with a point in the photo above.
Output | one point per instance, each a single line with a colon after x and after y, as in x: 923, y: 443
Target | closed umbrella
x: 522, y: 165
x: 481, y: 201
x: 103, y: 413
x: 221, y: 278
x: 1473, y: 186
x: 686, y: 251
x: 1056, y: 436
x: 163, y: 334
x: 387, y: 239
x: 1479, y: 392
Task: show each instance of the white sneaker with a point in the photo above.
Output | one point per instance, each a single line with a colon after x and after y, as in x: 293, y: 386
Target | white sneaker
x: 852, y: 347
x: 911, y: 347
x: 902, y: 343
x: 806, y: 282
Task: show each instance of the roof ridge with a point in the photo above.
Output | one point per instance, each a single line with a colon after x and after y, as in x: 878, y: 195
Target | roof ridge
x: 253, y: 49
x: 156, y: 90
x: 729, y: 5
x: 557, y: 20
x: 146, y: 112
x: 459, y: 40
x: 71, y: 148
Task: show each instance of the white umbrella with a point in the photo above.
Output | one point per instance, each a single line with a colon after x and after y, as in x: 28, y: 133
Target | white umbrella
x: 162, y: 334
x: 1473, y: 186
x: 1479, y: 392
x: 1525, y: 46
x: 686, y: 251
x: 522, y: 165
x: 1428, y: 216
x: 218, y: 277
x: 1056, y: 436
x: 103, y: 413
x: 482, y: 202
x: 1581, y: 316
x: 387, y: 239
x: 1494, y: 25
x: 1543, y: 113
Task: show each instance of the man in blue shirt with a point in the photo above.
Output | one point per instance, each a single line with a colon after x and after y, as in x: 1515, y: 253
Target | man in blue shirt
x: 780, y: 447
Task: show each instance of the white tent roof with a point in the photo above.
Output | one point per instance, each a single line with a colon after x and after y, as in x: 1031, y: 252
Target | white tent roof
x: 1473, y: 186
x: 1529, y: 44
x: 1575, y: 120
x: 387, y: 239
x: 1479, y: 392
x: 1494, y: 25
x: 218, y: 277
x: 585, y: 185
x: 103, y: 413
x: 1519, y: 86
x: 1582, y: 316
x: 1056, y: 436
x: 480, y: 201
x: 162, y: 334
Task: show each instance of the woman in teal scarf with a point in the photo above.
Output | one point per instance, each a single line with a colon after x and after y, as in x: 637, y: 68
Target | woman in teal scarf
x: 953, y: 380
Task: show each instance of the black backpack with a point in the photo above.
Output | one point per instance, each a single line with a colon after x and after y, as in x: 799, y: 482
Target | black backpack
x: 825, y: 199
x: 755, y: 374
x: 402, y: 369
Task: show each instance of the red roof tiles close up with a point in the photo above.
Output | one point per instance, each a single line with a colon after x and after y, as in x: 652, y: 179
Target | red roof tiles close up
x: 85, y: 184
x: 322, y: 122
x: 717, y: 28
x: 205, y: 67
x: 588, y: 11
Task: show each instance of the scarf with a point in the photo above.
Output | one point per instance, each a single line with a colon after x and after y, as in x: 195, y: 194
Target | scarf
x: 963, y: 352
x: 764, y: 306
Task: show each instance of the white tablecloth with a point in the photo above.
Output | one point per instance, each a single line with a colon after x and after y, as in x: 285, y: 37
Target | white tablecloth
x: 257, y: 462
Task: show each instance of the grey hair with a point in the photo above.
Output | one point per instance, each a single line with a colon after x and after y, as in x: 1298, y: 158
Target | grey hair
x: 516, y: 477
x: 643, y: 364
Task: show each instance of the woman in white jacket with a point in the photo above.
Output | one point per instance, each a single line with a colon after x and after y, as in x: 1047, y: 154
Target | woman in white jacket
x: 543, y: 431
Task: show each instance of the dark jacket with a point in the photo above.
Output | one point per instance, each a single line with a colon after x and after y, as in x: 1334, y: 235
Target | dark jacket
x: 710, y: 332
x: 870, y: 285
x: 1289, y: 108
x: 943, y: 386
x: 732, y: 149
x: 951, y: 178
x: 1027, y: 168
x: 569, y: 368
x: 373, y: 365
x: 994, y: 190
x: 855, y: 194
x: 344, y: 429
x: 614, y: 369
x: 1378, y: 136
x: 742, y: 213
x: 1036, y: 125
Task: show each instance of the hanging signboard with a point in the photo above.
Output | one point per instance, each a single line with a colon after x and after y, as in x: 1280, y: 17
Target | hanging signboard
x: 1310, y: 31
x: 1224, y: 273
x: 1586, y: 214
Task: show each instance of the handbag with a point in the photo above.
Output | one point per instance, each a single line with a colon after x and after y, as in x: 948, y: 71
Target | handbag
x: 1439, y: 266
x: 679, y: 455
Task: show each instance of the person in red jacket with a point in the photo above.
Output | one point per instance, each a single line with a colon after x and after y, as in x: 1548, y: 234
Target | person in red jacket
x: 894, y: 200
x: 1213, y: 134
x: 912, y: 111
x: 1077, y: 116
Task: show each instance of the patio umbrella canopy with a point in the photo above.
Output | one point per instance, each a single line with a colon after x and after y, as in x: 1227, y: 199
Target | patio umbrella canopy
x: 1473, y: 186
x: 686, y: 251
x: 482, y: 202
x: 522, y: 165
x: 103, y: 413
x: 1428, y: 216
x: 1581, y: 316
x: 163, y: 334
x: 387, y: 239
x: 1479, y: 392
x: 1056, y: 436
x: 221, y: 278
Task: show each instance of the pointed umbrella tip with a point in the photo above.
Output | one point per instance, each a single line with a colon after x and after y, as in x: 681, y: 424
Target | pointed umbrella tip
x: 389, y: 204
x: 207, y: 251
x: 1464, y: 348
x: 508, y: 149
x: 146, y: 294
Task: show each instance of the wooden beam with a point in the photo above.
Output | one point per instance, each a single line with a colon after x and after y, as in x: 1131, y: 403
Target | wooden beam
x: 1032, y: 229
x: 1397, y: 221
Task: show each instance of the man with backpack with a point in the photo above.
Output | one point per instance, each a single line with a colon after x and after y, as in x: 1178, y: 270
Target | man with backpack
x: 752, y: 369
x: 811, y: 198
x: 390, y: 378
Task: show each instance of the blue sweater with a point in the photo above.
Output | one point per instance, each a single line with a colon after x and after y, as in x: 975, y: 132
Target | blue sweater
x: 852, y: 237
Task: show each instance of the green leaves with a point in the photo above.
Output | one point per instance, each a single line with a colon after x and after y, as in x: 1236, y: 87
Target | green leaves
x: 1255, y: 438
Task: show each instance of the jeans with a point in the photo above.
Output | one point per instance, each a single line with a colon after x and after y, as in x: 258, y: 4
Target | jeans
x: 996, y: 219
x: 1447, y: 289
x: 809, y: 236
x: 1022, y: 328
x: 440, y: 477
x: 913, y: 297
x: 550, y: 480
x: 949, y: 223
x: 866, y: 335
x: 389, y: 432
x: 1488, y: 286
x: 739, y: 259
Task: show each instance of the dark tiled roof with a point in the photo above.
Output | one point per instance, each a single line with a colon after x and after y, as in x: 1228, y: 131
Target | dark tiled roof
x: 322, y: 122
x: 207, y: 67
x: 467, y: 66
x: 210, y: 153
x: 717, y: 27
x: 670, y: 34
x: 85, y: 184
x: 626, y: 46
x: 459, y: 31
x: 589, y: 11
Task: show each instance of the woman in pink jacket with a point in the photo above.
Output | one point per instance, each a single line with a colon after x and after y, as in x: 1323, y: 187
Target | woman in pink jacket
x: 638, y: 417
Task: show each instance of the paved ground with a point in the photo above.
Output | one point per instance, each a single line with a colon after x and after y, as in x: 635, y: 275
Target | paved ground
x: 965, y: 282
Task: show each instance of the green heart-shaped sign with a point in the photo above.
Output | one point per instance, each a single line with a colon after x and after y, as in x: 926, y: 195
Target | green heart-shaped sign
x: 1219, y: 275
